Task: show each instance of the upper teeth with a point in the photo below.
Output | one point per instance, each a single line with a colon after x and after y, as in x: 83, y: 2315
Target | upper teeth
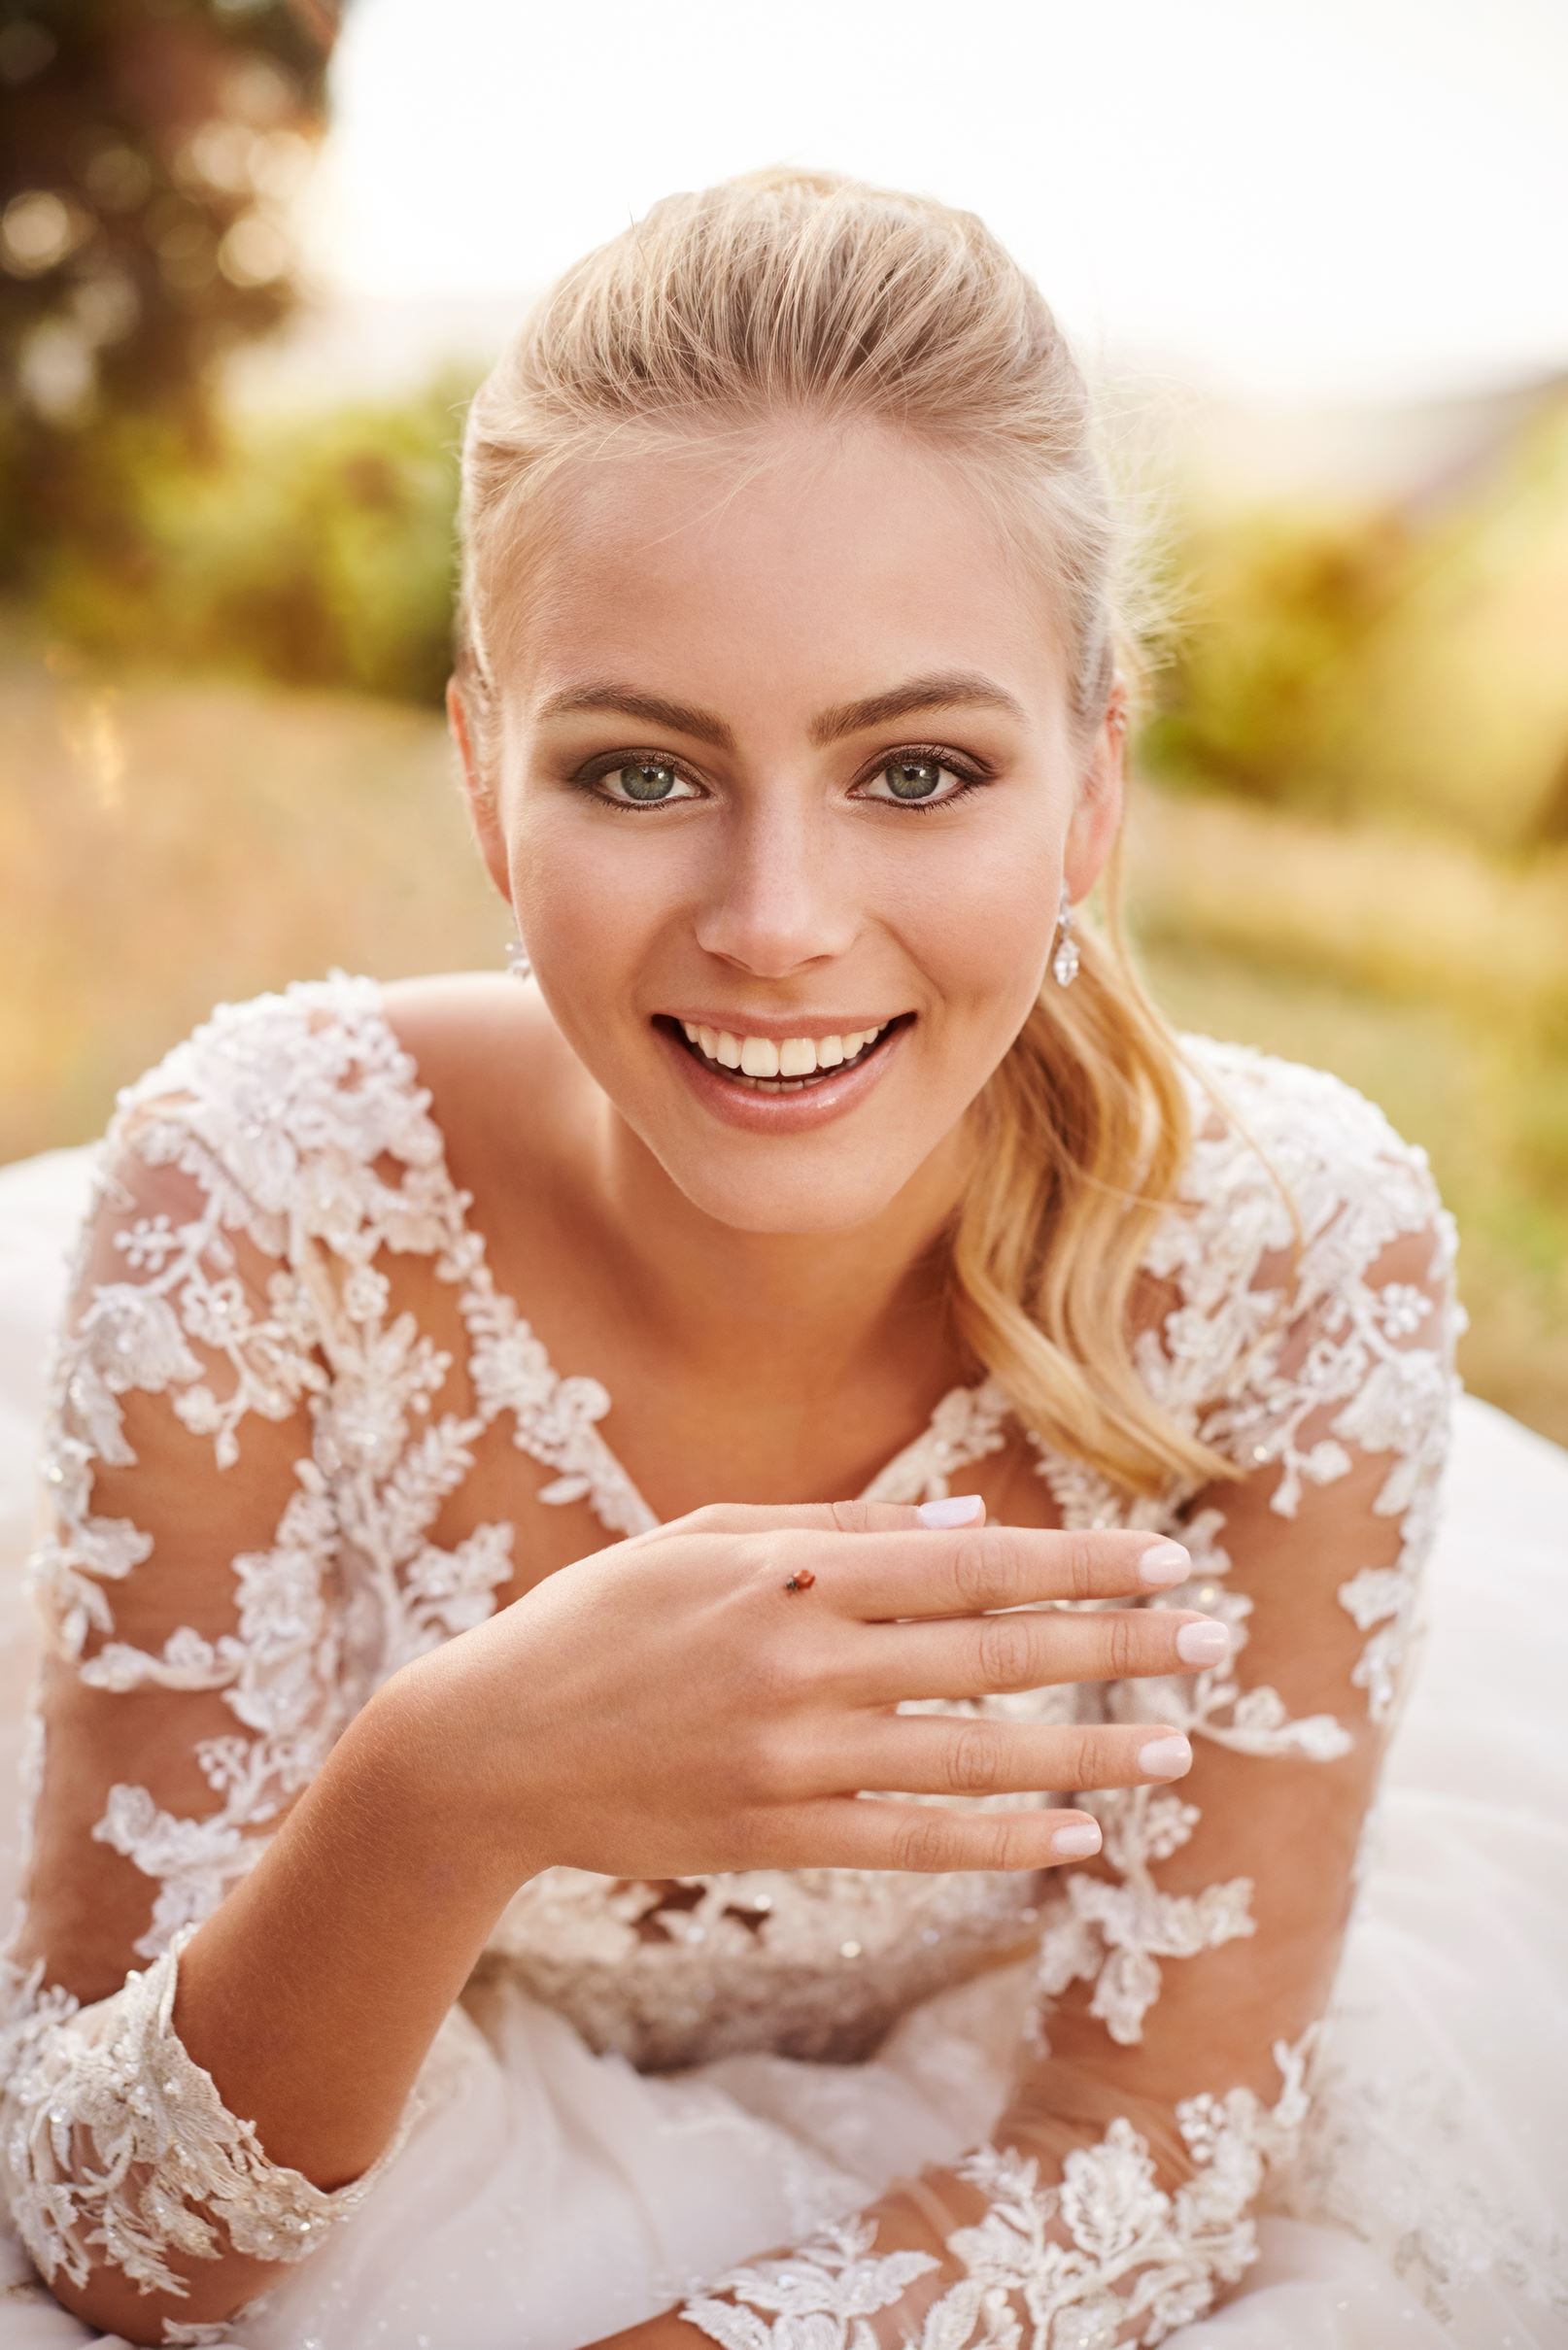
x: 787, y: 1057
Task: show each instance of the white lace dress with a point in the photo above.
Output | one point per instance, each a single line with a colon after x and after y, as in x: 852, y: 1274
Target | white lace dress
x: 1281, y: 2066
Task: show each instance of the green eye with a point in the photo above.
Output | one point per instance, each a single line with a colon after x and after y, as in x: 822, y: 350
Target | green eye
x: 646, y: 779
x: 914, y: 776
x: 911, y: 771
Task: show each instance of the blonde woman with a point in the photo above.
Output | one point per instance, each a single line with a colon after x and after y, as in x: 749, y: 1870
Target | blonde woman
x: 620, y: 1546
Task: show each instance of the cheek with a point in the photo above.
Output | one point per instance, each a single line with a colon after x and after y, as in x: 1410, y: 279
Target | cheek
x: 984, y: 916
x: 578, y: 890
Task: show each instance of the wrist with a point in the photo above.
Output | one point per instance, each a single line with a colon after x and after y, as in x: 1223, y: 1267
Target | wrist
x: 441, y: 1765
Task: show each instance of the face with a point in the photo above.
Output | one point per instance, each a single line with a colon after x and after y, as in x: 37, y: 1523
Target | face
x: 767, y: 854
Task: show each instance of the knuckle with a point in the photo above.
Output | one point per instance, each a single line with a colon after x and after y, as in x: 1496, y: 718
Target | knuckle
x: 852, y: 1517
x: 1085, y: 1757
x: 980, y: 1563
x: 709, y: 1518
x: 768, y: 1765
x: 1081, y: 1565
x: 773, y: 1557
x: 922, y: 1843
x: 1014, y: 1840
x: 1006, y: 1645
x: 969, y: 1577
x: 1124, y: 1646
x: 975, y: 1758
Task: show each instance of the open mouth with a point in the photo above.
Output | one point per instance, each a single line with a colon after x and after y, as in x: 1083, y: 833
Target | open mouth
x: 781, y: 1085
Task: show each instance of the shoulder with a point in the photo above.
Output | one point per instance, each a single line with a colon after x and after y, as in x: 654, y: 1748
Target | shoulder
x: 1311, y: 1244
x: 344, y: 1067
x: 1261, y: 1120
x: 262, y: 1083
x: 336, y: 1109
x: 287, y: 1128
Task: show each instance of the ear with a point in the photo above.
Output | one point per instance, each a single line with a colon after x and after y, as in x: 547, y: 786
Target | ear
x: 1098, y: 811
x: 483, y: 814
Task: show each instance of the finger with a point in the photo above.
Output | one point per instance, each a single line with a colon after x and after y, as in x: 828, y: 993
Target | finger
x: 968, y: 1755
x: 1028, y: 1648
x: 867, y: 1831
x: 831, y: 1517
x: 882, y: 1576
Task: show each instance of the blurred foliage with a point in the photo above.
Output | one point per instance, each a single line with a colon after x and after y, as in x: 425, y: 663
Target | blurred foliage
x: 1390, y: 659
x: 315, y: 549
x: 1281, y: 599
x: 149, y: 154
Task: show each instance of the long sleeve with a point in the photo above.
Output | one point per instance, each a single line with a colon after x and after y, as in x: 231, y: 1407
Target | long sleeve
x: 191, y: 1678
x: 1183, y: 1975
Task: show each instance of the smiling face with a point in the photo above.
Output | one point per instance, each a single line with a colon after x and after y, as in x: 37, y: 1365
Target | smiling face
x: 826, y: 781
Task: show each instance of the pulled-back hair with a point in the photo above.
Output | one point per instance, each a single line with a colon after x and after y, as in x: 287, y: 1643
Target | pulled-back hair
x: 783, y: 294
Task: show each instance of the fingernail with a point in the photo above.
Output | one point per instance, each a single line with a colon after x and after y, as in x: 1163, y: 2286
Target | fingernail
x: 1165, y: 1562
x: 1078, y: 1842
x: 1165, y: 1757
x: 953, y: 1510
x: 1202, y: 1643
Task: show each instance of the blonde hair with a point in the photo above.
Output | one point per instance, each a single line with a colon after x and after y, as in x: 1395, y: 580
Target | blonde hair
x: 786, y: 292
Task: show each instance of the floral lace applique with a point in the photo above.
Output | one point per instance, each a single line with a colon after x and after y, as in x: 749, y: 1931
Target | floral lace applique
x: 1070, y: 2265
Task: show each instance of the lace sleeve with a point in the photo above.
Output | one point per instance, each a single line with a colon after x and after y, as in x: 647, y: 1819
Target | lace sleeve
x: 1183, y: 1974
x: 189, y: 1684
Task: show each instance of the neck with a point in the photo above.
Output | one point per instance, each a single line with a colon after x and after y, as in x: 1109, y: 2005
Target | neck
x: 760, y: 1314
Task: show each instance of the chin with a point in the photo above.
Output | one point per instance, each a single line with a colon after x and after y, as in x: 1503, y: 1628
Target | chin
x: 805, y: 1206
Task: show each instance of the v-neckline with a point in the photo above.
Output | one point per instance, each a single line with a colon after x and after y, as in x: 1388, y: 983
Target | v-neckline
x: 965, y: 1424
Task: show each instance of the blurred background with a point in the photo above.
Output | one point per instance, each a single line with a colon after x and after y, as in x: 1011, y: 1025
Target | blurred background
x: 253, y: 256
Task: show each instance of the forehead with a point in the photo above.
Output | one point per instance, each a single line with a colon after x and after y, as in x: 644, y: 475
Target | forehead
x: 823, y: 558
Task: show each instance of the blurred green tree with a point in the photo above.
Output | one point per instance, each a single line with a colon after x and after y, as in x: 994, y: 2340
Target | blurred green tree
x: 149, y: 154
x: 319, y: 551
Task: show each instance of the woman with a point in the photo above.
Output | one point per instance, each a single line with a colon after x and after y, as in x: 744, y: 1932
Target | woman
x: 831, y: 1143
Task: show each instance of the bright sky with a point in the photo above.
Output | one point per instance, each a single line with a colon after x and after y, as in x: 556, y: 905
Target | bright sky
x: 1294, y: 199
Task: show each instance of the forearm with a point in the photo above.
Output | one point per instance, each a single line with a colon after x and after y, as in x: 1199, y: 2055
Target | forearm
x: 312, y: 1992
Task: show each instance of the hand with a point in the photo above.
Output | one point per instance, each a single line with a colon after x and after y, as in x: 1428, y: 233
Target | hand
x: 666, y: 1707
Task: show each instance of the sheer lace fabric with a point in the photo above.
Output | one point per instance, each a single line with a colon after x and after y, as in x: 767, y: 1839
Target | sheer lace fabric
x: 237, y: 1367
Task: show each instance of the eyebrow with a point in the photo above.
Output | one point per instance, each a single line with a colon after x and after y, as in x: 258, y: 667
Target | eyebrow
x: 945, y: 689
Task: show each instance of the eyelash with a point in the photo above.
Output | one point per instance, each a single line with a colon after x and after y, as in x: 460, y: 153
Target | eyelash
x: 970, y: 780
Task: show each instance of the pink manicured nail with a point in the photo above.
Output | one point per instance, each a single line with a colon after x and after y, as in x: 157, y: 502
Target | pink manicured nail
x: 953, y: 1510
x: 1165, y: 1562
x: 1165, y: 1757
x: 1078, y: 1842
x: 1204, y: 1642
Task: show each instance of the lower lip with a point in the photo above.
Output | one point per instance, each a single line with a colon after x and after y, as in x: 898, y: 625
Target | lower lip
x: 758, y: 1112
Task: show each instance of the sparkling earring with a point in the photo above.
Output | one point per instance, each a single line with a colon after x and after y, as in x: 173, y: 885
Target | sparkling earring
x: 517, y: 958
x: 1064, y: 961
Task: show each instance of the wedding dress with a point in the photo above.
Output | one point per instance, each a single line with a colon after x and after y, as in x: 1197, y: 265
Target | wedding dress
x: 1279, y: 2071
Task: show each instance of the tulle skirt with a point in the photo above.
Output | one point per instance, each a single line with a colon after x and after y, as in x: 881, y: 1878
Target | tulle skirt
x: 554, y: 2195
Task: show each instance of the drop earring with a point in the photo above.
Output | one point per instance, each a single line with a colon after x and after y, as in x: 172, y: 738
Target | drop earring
x: 1064, y: 961
x: 517, y: 958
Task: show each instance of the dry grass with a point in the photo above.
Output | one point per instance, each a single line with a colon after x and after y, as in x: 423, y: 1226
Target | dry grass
x: 169, y: 844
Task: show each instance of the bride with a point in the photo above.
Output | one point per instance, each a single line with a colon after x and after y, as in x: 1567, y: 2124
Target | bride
x: 717, y: 1634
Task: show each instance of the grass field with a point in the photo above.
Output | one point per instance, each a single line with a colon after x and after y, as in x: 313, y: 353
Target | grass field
x: 167, y: 843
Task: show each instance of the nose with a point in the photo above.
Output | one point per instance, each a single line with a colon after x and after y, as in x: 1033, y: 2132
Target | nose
x: 776, y: 898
